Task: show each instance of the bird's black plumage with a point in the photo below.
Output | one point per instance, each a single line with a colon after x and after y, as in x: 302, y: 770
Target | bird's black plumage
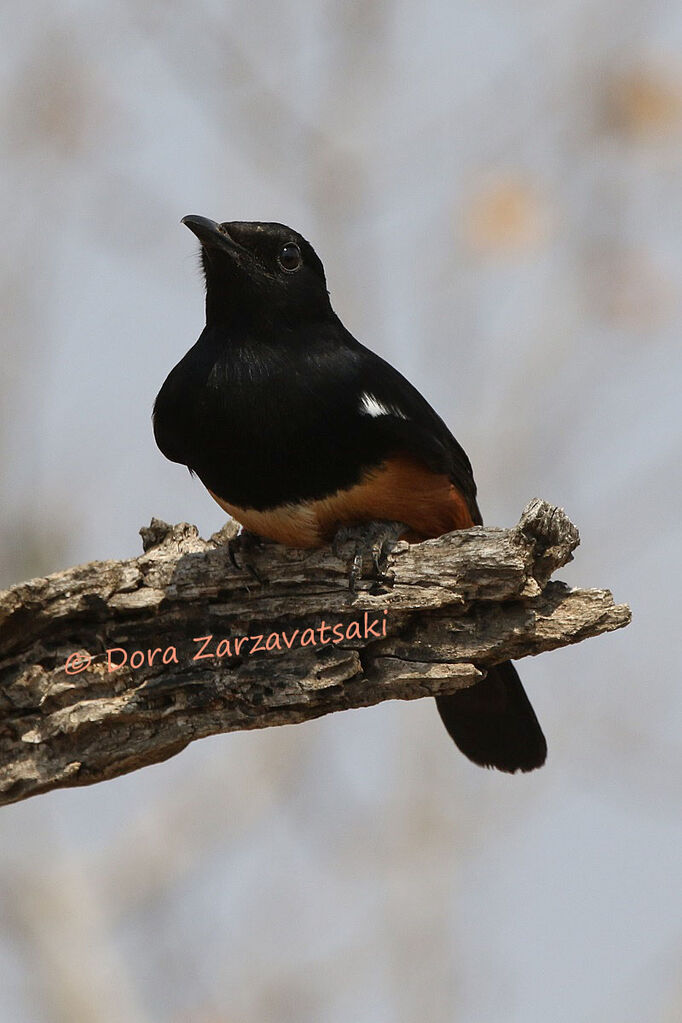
x: 266, y: 407
x: 277, y: 407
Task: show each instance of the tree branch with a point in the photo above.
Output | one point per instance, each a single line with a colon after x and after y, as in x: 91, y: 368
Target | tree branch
x: 70, y: 715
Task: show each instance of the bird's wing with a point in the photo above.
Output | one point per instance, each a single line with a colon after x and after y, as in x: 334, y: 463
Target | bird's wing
x: 409, y: 424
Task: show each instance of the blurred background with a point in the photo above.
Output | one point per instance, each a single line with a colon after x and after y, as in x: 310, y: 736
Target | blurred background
x: 495, y: 192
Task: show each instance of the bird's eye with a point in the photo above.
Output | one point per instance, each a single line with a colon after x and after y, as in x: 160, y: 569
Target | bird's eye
x: 290, y: 257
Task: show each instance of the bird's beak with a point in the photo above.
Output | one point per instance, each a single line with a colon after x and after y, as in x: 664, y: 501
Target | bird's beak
x: 210, y: 234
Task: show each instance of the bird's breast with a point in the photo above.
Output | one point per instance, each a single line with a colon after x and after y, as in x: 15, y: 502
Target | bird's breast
x: 266, y: 428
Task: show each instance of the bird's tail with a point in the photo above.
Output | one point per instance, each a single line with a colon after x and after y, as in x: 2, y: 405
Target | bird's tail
x: 493, y: 723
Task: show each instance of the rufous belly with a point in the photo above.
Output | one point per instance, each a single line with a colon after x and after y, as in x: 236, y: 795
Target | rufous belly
x: 399, y: 490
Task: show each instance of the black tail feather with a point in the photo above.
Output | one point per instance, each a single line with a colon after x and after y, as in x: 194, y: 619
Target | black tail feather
x: 493, y: 723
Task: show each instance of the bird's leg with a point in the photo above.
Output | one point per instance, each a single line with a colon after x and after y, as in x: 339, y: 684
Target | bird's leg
x: 371, y: 539
x: 244, y: 544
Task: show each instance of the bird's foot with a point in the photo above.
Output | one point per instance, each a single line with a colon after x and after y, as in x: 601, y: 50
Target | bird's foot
x: 373, y: 540
x: 244, y: 544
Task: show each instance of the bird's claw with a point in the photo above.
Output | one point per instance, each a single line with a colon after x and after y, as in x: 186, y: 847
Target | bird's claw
x: 375, y: 540
x: 244, y: 543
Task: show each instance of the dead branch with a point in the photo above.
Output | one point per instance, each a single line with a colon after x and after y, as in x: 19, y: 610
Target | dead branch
x: 113, y: 665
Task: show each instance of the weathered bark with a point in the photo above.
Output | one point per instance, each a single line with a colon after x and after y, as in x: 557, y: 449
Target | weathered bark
x: 451, y: 607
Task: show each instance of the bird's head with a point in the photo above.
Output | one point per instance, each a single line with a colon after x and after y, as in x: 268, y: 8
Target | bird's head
x: 258, y: 273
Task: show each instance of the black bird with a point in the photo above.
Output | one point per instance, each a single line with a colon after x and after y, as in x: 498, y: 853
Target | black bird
x: 296, y: 430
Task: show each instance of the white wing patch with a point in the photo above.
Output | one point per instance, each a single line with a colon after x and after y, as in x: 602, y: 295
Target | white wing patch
x: 371, y: 406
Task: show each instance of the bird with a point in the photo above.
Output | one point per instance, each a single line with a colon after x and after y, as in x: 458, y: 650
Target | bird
x: 298, y: 430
